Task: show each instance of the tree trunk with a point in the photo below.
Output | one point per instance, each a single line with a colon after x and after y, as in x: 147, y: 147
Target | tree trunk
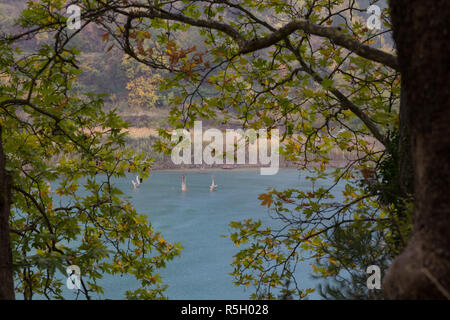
x: 421, y: 33
x: 406, y: 167
x: 6, y: 273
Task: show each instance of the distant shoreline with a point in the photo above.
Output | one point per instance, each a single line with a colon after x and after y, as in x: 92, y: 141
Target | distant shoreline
x: 212, y: 169
x: 332, y: 164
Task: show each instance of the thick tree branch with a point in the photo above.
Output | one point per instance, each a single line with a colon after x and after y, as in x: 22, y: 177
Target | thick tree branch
x: 246, y: 46
x: 333, y: 34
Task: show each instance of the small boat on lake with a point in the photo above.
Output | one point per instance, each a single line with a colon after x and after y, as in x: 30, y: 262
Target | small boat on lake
x: 213, y: 185
x: 183, y: 183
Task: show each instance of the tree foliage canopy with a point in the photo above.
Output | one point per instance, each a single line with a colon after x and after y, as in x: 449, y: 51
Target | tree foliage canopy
x: 310, y: 68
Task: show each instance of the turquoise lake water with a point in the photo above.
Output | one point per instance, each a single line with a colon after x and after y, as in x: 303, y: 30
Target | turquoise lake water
x: 197, y: 219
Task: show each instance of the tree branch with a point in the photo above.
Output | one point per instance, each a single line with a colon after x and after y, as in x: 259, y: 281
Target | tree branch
x: 246, y: 46
x: 333, y: 34
x: 344, y: 101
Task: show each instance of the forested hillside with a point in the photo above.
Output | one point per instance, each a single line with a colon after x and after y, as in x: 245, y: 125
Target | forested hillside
x: 132, y: 88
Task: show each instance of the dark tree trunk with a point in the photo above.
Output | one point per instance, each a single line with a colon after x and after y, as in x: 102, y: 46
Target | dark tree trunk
x: 406, y: 167
x: 6, y: 273
x: 421, y: 33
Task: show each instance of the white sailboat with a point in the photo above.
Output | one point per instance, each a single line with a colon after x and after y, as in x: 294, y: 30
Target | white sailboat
x: 213, y: 185
x: 137, y: 182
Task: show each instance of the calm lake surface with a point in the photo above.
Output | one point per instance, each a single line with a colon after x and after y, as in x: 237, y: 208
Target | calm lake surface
x: 197, y: 219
